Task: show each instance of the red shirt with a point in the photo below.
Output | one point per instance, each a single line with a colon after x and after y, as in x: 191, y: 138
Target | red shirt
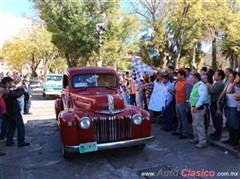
x: 2, y: 104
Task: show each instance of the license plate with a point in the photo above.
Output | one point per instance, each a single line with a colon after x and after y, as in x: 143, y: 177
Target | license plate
x: 88, y: 147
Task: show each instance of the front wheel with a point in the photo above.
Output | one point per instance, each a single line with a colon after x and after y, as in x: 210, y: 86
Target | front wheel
x: 66, y: 155
x: 47, y: 97
x: 139, y: 147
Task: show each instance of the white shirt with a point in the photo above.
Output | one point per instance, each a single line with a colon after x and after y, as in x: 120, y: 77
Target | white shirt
x: 231, y: 101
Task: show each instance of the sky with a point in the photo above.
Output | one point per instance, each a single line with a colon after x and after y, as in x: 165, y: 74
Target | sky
x: 11, y: 18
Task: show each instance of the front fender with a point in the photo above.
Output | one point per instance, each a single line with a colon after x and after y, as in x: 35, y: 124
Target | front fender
x: 68, y: 127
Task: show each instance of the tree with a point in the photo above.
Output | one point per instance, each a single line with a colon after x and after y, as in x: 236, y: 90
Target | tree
x: 152, y: 14
x: 73, y: 27
x: 29, y: 47
x: 58, y: 65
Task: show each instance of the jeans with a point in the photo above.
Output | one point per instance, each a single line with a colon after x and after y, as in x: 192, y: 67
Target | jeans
x: 133, y: 99
x: 232, y: 117
x: 217, y: 120
x: 16, y: 121
x: 182, y: 119
x: 21, y: 104
x: 27, y: 105
x: 3, y: 126
x: 167, y: 116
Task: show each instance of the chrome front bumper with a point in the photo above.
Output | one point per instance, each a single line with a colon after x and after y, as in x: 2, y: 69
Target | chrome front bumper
x: 114, y: 145
x: 52, y: 93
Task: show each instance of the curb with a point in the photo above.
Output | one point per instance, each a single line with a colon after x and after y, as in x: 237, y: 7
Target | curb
x: 225, y: 148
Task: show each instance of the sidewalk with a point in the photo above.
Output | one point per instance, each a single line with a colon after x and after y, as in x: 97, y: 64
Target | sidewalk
x: 220, y: 145
x: 226, y: 148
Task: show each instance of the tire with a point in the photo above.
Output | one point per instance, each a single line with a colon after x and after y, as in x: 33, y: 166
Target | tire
x: 47, y: 97
x: 66, y: 155
x: 139, y: 147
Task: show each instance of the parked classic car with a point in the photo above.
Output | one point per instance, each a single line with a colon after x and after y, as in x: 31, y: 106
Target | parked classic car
x: 52, y: 85
x: 92, y: 116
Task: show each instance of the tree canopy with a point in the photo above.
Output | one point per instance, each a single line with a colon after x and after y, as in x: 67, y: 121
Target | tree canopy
x: 161, y: 32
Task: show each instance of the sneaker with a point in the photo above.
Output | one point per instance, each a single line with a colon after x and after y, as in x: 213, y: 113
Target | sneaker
x: 215, y: 138
x: 183, y: 137
x: 175, y: 133
x: 27, y: 113
x: 23, y: 144
x: 228, y: 141
x: 194, y: 141
x: 236, y: 148
x: 199, y: 146
x: 9, y: 143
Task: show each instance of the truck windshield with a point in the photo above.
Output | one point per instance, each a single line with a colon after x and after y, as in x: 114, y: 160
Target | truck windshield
x: 53, y: 78
x: 94, y: 80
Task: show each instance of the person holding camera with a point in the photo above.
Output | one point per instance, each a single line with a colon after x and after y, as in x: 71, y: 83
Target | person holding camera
x: 198, y: 101
x: 15, y: 119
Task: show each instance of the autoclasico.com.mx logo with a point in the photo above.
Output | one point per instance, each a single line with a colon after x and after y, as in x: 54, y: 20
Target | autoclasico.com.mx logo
x: 189, y: 173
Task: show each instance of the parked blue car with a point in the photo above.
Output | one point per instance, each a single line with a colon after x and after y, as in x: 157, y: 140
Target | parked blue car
x: 52, y: 85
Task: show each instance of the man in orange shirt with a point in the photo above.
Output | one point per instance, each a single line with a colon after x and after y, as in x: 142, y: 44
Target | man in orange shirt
x: 183, y: 90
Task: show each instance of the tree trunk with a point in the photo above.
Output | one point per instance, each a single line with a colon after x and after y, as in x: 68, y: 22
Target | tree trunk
x: 176, y: 60
x: 163, y: 59
x: 214, y: 54
x: 69, y: 61
x: 193, y: 54
x: 238, y: 65
x: 235, y: 61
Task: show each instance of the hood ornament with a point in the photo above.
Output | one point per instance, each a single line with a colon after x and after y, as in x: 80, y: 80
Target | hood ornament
x: 111, y: 110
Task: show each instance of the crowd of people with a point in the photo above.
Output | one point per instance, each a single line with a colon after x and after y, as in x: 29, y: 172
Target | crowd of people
x: 192, y: 98
x: 15, y: 101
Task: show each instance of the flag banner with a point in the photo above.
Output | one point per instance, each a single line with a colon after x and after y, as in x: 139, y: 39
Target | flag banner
x: 158, y: 97
x: 138, y: 69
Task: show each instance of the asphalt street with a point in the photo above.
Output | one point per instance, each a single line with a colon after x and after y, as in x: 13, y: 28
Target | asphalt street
x: 166, y: 157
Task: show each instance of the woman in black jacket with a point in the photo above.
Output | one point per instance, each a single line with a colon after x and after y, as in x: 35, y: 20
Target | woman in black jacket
x: 13, y: 110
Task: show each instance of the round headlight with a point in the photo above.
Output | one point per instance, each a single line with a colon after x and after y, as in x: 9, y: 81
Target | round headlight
x: 137, y: 119
x: 84, y: 123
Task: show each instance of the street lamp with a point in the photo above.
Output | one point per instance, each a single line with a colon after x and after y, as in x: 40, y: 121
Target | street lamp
x: 100, y: 29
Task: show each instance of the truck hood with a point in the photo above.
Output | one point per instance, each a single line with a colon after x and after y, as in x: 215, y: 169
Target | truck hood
x: 100, y: 102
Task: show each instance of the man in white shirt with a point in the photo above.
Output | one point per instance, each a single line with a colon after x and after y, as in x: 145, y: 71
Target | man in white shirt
x: 198, y: 101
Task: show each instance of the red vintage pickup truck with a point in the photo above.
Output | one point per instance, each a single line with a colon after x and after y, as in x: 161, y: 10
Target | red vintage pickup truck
x: 92, y: 116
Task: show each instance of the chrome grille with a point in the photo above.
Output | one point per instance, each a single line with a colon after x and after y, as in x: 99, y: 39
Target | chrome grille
x: 128, y: 127
x: 121, y: 128
x: 103, y: 129
x: 111, y: 128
